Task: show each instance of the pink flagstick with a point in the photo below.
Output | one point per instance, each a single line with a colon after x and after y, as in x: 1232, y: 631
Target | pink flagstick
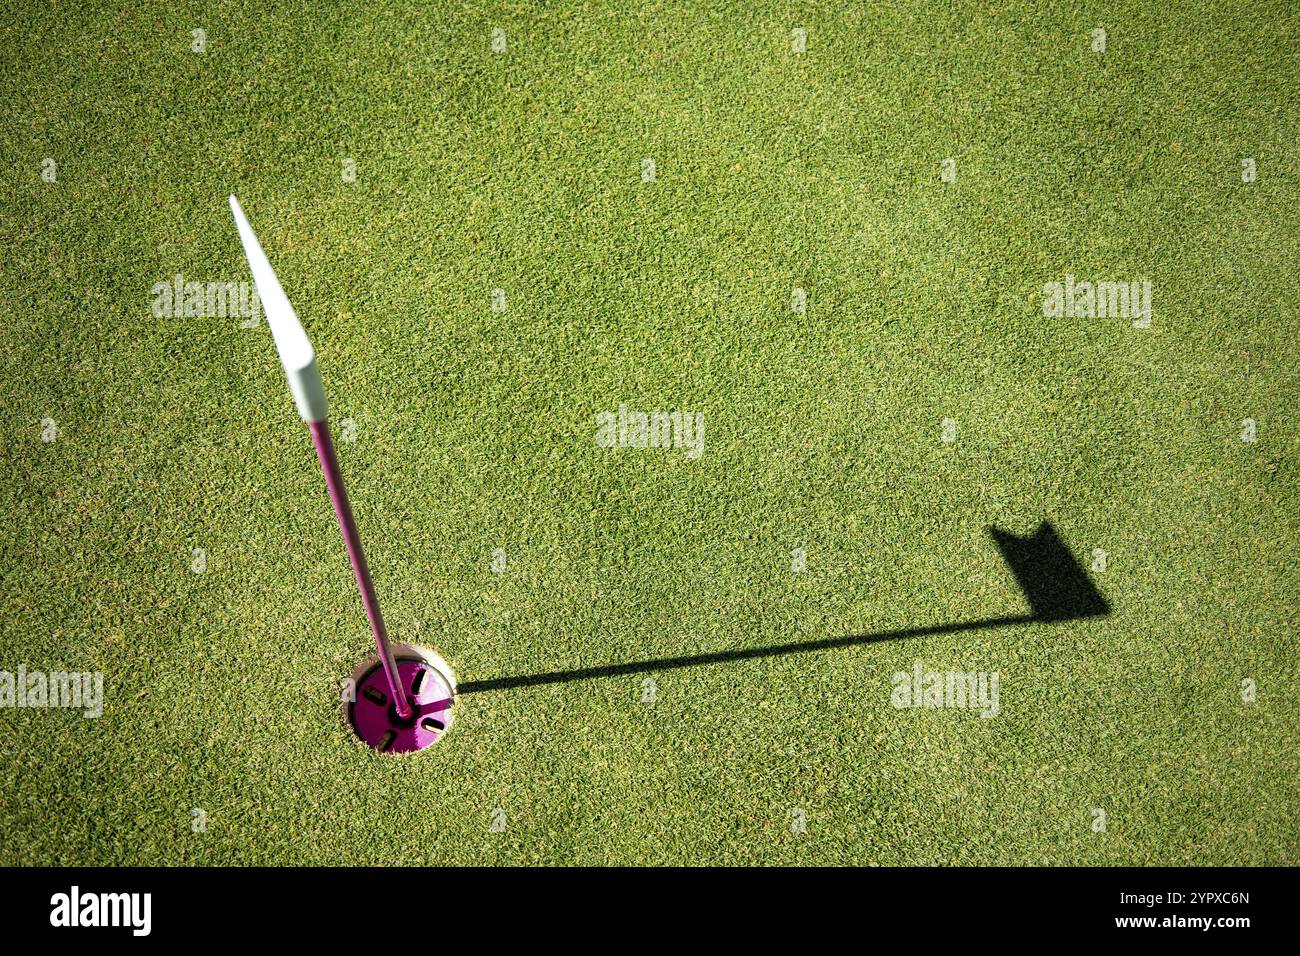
x: 329, y: 463
x: 299, y: 360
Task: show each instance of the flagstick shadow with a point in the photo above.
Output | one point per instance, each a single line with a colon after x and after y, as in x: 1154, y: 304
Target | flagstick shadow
x: 726, y: 657
x: 1053, y: 582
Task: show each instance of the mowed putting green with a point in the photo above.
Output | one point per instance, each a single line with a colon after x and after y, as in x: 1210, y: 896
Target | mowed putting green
x: 685, y: 214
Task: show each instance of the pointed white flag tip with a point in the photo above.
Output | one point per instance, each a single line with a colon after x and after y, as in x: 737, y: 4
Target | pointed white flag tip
x: 296, y: 354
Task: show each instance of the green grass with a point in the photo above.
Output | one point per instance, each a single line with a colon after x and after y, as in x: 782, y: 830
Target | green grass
x: 475, y: 430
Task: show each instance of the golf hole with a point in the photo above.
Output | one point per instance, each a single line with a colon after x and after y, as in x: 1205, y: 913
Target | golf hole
x: 431, y: 687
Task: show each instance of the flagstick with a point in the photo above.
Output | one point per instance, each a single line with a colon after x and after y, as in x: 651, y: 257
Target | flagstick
x: 329, y: 463
x: 299, y: 361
